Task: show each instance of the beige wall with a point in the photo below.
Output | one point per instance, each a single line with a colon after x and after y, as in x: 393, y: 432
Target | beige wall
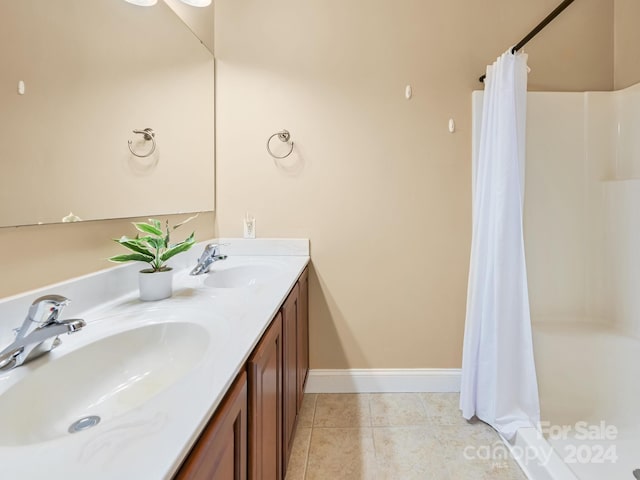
x: 627, y: 41
x: 377, y: 182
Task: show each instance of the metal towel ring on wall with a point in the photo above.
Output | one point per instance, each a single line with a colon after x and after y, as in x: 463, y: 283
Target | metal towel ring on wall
x: 148, y: 134
x: 284, y: 136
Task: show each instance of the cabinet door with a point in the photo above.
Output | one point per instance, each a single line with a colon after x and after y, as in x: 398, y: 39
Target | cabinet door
x: 265, y: 405
x: 290, y: 345
x: 221, y: 451
x: 302, y: 335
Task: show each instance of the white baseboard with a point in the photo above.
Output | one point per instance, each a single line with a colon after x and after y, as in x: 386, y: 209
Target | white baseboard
x: 388, y: 380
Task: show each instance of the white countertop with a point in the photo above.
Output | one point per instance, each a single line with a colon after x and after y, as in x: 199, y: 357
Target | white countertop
x: 150, y: 441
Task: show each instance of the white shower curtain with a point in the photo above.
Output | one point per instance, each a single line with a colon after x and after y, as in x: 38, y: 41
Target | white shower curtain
x: 499, y: 382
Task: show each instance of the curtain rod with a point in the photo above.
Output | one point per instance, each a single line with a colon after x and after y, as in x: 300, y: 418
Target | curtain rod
x: 558, y: 10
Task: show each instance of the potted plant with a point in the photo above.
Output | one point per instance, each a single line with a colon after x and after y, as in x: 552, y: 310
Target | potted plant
x: 155, y: 248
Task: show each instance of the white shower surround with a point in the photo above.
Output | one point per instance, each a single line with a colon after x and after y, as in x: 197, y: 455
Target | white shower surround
x: 588, y: 374
x: 583, y: 182
x: 582, y: 232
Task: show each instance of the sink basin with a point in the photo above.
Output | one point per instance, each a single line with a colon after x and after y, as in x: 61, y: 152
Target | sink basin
x: 106, y: 378
x: 241, y: 276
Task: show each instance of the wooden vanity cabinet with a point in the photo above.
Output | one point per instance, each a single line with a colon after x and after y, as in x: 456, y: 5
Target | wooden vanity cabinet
x: 251, y: 433
x: 265, y: 405
x: 295, y: 333
x: 290, y: 382
x: 221, y: 451
x: 302, y: 335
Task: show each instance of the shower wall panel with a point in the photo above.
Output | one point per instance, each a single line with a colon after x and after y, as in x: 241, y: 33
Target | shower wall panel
x: 582, y: 229
x: 555, y: 204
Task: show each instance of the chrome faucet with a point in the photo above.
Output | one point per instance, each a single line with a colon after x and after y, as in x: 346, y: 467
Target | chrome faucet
x: 39, y: 331
x: 210, y: 255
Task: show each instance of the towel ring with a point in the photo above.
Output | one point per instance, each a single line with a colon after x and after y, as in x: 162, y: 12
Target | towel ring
x: 148, y: 134
x: 284, y: 136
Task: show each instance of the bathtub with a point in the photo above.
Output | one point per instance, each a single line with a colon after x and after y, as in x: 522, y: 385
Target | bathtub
x: 589, y: 383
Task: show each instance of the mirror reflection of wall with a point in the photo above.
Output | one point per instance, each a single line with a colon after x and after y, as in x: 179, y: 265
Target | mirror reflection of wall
x: 93, y: 72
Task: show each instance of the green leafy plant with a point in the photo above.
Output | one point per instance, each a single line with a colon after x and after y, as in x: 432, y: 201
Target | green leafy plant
x: 154, y: 246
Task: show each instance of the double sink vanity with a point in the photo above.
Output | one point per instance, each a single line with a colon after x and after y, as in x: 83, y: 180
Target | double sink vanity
x: 204, y: 385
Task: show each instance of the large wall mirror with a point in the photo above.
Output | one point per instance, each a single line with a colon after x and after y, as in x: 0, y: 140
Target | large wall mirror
x: 77, y: 77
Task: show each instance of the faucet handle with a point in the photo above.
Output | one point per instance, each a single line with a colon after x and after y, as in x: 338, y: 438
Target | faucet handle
x: 209, y: 250
x: 56, y: 300
x: 212, y: 249
x: 56, y: 303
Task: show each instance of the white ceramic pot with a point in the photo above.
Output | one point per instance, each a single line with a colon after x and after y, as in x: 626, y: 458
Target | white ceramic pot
x: 155, y: 285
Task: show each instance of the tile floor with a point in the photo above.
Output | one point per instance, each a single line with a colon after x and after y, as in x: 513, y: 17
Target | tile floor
x: 394, y: 436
